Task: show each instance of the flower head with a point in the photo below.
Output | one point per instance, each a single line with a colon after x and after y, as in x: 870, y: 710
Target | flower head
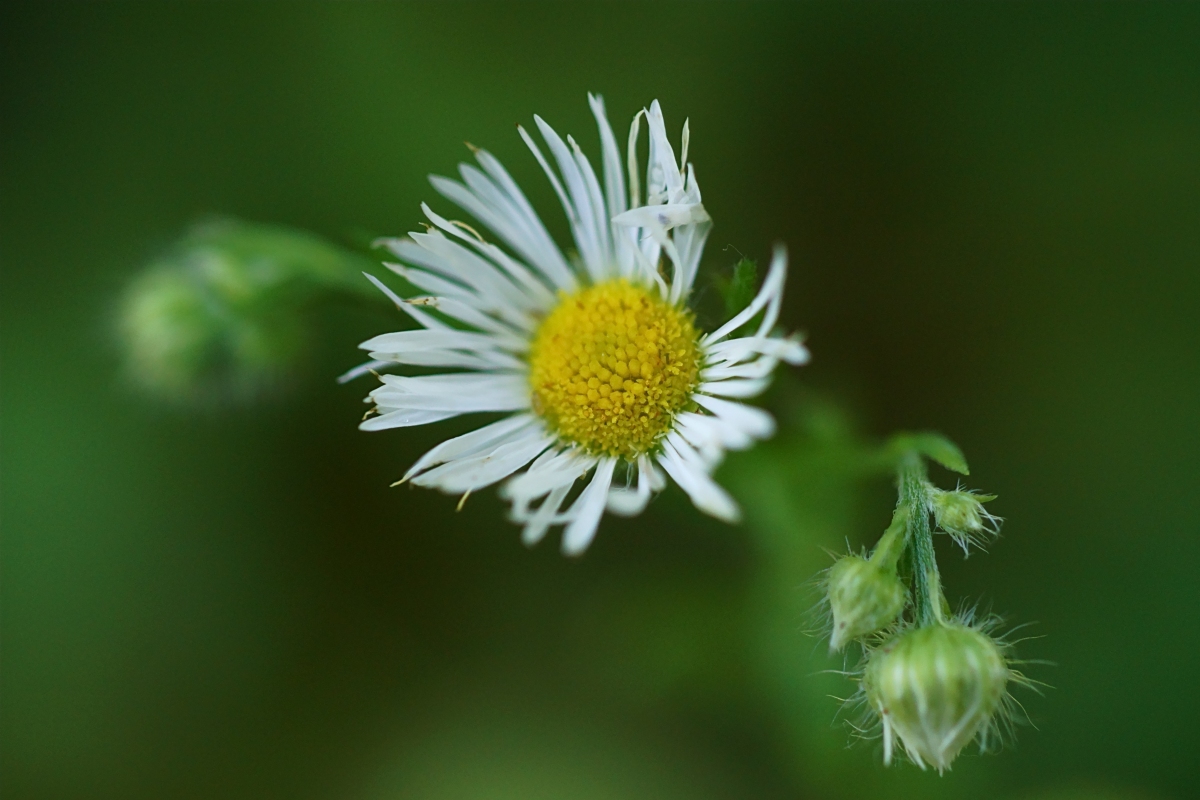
x: 596, y: 359
x: 936, y: 688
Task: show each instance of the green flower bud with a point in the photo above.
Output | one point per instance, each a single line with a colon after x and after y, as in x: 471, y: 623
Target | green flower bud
x: 936, y: 688
x: 961, y: 515
x: 864, y: 597
x: 221, y: 315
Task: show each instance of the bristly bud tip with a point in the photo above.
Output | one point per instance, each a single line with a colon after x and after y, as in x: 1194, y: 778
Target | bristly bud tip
x: 961, y: 515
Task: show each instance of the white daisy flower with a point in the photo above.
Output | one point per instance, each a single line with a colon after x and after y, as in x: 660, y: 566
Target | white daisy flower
x: 595, y: 357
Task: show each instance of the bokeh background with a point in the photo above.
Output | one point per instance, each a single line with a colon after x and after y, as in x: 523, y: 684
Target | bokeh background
x: 993, y: 211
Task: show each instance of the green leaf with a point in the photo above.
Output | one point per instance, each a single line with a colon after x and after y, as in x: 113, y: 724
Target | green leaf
x: 931, y: 445
x: 738, y: 290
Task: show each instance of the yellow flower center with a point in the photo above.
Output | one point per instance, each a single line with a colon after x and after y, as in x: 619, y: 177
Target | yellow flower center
x: 611, y: 365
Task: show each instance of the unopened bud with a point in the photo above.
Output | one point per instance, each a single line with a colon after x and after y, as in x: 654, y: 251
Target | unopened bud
x: 935, y: 688
x: 220, y: 316
x: 864, y: 596
x: 961, y: 514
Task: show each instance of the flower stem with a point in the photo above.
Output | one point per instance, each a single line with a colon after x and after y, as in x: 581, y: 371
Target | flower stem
x: 890, y: 547
x: 931, y: 607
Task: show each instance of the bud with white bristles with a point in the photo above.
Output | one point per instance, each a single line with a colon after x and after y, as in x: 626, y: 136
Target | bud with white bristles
x: 961, y: 514
x: 936, y: 688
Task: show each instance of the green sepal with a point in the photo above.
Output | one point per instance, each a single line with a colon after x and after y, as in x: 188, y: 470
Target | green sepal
x: 738, y: 290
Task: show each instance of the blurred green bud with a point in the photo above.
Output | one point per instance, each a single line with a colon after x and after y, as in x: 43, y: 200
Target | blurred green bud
x: 221, y: 315
x: 864, y: 598
x: 935, y: 689
x: 961, y: 515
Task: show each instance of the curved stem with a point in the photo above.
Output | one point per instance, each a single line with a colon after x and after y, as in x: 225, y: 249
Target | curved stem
x: 891, y: 545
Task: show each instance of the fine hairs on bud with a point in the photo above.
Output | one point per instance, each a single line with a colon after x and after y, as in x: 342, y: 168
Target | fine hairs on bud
x: 866, y: 595
x: 864, y: 598
x: 935, y: 690
x: 931, y: 681
x: 961, y: 515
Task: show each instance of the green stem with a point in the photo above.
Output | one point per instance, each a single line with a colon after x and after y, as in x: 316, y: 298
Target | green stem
x: 891, y: 545
x: 931, y: 607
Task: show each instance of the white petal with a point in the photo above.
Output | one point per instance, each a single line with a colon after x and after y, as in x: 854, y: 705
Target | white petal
x: 460, y: 393
x: 568, y: 206
x: 686, y: 468
x: 587, y: 509
x: 404, y: 341
x: 476, y: 472
x: 471, y: 443
x: 736, y: 387
x: 437, y: 285
x: 652, y: 474
x: 437, y: 252
x: 560, y: 469
x: 689, y: 240
x: 733, y: 351
x: 404, y: 419
x: 464, y: 312
x: 421, y: 317
x: 362, y: 369
x: 614, y: 183
x: 630, y: 502
x: 579, y: 204
x: 711, y: 436
x: 545, y: 516
x: 526, y: 226
x: 663, y: 216
x: 516, y: 270
x: 508, y: 401
x: 544, y: 253
x: 513, y: 232
x: 753, y: 421
x: 451, y: 384
x: 772, y: 289
x: 598, y: 205
x: 481, y: 360
x: 663, y: 173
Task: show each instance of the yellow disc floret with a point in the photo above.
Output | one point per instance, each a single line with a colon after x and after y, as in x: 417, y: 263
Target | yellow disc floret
x: 611, y: 365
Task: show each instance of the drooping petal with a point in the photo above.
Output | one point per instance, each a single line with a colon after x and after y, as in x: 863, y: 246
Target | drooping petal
x: 546, y: 515
x: 627, y: 502
x: 750, y: 420
x: 471, y: 443
x: 478, y: 471
x: 552, y: 471
x: 587, y: 509
x: 687, y: 469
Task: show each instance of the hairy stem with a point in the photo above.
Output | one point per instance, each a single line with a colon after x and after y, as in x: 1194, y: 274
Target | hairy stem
x: 931, y: 607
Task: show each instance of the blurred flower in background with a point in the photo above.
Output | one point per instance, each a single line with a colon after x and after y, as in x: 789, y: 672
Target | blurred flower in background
x: 223, y: 315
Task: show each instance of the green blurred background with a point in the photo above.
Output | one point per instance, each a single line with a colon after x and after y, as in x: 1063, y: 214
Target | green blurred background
x: 993, y: 212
